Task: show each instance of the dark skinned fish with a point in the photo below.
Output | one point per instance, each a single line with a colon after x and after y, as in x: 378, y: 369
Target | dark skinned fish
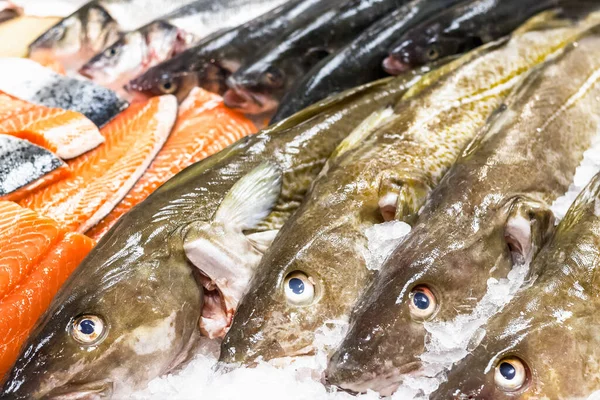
x: 359, y: 61
x: 137, y: 289
x: 76, y: 38
x: 31, y: 82
x: 256, y: 88
x: 544, y: 344
x: 320, y: 263
x: 479, y: 230
x: 137, y: 51
x: 460, y: 29
x: 212, y: 61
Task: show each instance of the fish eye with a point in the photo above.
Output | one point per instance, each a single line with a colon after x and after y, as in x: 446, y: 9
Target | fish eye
x: 88, y: 329
x: 433, y: 53
x: 299, y: 289
x: 510, y: 374
x: 168, y: 87
x: 111, y: 52
x: 422, y: 303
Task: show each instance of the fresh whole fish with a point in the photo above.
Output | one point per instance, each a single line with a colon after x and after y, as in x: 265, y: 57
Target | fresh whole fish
x: 544, y: 343
x: 209, y: 63
x: 136, y: 51
x: 387, y: 177
x: 359, y: 61
x: 9, y: 10
x: 117, y: 322
x: 256, y: 88
x: 76, y: 38
x: 459, y: 29
x: 479, y: 230
x: 29, y: 81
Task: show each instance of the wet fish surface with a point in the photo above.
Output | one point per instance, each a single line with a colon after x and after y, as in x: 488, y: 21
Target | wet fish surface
x: 256, y: 88
x: 123, y: 289
x: 136, y: 51
x: 212, y: 61
x: 31, y: 82
x: 543, y: 344
x: 483, y: 224
x: 459, y: 29
x: 359, y: 61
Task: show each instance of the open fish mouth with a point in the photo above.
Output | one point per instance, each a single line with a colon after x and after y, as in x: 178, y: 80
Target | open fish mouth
x: 386, y: 383
x: 249, y: 102
x: 393, y: 66
x: 88, y: 391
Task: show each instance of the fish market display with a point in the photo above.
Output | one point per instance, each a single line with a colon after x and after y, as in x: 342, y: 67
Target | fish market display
x: 31, y: 82
x: 460, y: 28
x: 359, y: 61
x: 76, y: 38
x: 258, y: 86
x: 395, y: 167
x: 543, y: 343
x: 157, y: 321
x: 25, y: 167
x: 9, y: 10
x: 68, y: 134
x: 204, y: 127
x: 37, y: 257
x: 136, y: 51
x: 209, y: 63
x: 102, y: 177
x: 483, y: 225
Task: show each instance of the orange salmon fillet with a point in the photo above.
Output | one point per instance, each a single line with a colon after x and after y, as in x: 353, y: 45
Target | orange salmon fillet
x: 20, y: 309
x: 102, y: 177
x: 24, y: 238
x: 204, y: 127
x: 10, y: 106
x: 66, y: 133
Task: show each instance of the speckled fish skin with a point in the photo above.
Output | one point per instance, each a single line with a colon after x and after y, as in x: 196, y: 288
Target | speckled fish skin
x: 256, y: 88
x: 76, y: 38
x: 359, y: 61
x: 487, y: 216
x: 460, y: 29
x: 29, y: 81
x: 128, y: 278
x: 395, y: 168
x: 22, y: 163
x: 550, y: 328
x: 212, y: 61
x: 138, y: 50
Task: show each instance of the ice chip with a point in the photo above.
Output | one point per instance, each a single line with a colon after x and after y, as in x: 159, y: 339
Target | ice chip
x: 382, y: 240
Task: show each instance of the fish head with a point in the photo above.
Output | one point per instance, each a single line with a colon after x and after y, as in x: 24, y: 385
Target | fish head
x: 434, y: 281
x: 113, y: 327
x: 76, y: 38
x: 296, y: 292
x: 133, y: 53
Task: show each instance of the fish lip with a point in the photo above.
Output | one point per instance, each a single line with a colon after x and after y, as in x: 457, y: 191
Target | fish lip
x: 386, y: 384
x: 241, y: 98
x: 393, y: 66
x: 86, y: 71
x: 86, y: 391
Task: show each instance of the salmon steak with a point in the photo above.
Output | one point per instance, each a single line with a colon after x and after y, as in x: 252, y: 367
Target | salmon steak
x: 204, y: 127
x: 102, y: 177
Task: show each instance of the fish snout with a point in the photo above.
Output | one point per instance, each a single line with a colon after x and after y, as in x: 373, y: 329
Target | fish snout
x: 248, y: 101
x: 393, y: 66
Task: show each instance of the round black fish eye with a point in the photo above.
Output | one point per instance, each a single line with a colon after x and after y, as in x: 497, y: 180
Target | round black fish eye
x: 433, y: 53
x: 299, y: 289
x: 88, y: 329
x: 510, y: 374
x: 168, y: 87
x: 110, y: 52
x: 422, y: 303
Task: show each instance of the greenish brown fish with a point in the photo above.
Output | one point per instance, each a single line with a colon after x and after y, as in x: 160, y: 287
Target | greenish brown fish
x: 544, y: 344
x: 131, y: 310
x: 471, y: 247
x: 318, y: 265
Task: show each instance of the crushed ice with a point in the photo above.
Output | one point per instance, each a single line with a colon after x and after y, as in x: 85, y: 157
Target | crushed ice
x: 382, y: 240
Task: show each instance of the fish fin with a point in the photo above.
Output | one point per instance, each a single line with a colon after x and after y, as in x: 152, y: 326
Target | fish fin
x: 585, y: 206
x: 252, y: 197
x: 528, y: 227
x: 362, y: 131
x: 261, y: 241
x: 401, y: 200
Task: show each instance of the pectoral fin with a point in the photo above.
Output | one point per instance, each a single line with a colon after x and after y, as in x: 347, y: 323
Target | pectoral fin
x: 528, y: 227
x: 252, y: 198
